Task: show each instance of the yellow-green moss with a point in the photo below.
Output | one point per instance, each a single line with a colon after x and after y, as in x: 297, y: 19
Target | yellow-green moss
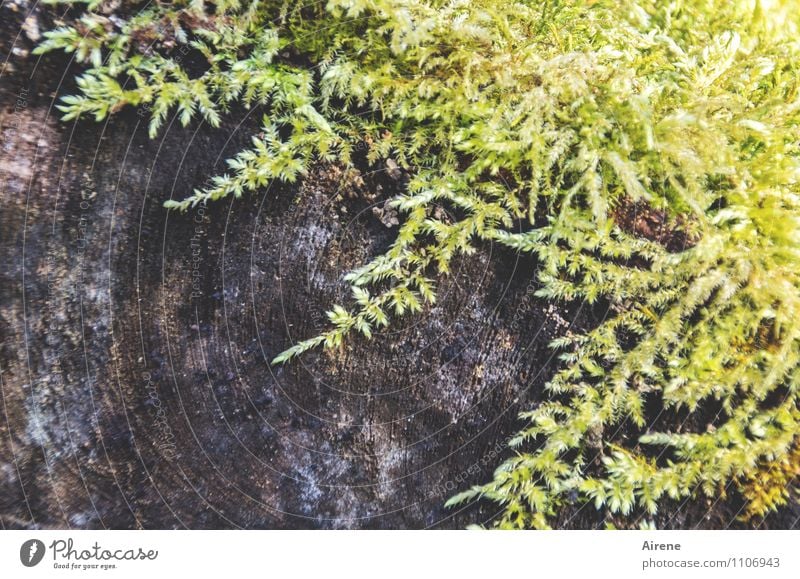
x: 565, y: 115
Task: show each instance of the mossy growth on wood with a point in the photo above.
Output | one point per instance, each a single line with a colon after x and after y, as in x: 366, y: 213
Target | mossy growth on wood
x: 564, y: 129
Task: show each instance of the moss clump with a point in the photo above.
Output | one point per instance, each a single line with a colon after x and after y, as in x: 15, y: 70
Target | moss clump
x: 563, y: 116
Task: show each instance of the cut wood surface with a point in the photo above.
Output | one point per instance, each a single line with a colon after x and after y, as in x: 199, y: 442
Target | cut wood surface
x: 135, y: 377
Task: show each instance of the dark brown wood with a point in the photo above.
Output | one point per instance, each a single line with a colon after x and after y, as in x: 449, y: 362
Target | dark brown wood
x: 136, y: 385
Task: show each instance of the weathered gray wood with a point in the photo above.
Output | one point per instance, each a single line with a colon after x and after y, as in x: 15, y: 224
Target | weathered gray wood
x: 136, y: 388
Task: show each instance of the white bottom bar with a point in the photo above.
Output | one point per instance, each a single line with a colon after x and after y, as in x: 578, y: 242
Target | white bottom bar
x: 401, y: 554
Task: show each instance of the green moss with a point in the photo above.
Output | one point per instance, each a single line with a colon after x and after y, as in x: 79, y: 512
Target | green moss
x: 566, y: 115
